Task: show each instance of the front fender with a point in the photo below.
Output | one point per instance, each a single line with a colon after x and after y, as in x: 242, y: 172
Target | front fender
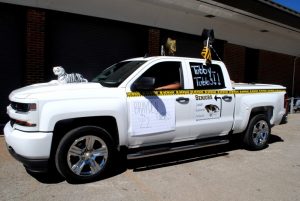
x: 54, y: 111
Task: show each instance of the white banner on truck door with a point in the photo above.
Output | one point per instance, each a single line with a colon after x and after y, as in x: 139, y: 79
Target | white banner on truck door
x: 207, y: 107
x: 151, y: 115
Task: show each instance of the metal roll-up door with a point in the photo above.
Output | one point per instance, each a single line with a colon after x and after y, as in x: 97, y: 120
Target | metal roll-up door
x: 87, y: 45
x: 12, y: 26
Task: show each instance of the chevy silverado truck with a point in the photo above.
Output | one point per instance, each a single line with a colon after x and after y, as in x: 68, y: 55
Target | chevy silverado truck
x: 79, y: 127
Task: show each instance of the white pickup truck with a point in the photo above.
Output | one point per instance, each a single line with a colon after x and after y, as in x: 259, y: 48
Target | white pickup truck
x: 80, y: 126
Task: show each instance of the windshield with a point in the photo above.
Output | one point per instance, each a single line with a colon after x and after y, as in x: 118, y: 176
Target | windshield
x: 114, y: 75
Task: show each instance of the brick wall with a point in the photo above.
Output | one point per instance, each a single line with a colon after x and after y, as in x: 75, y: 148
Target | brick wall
x: 272, y: 67
x: 276, y: 68
x: 35, y: 46
x: 154, y: 42
x: 234, y: 58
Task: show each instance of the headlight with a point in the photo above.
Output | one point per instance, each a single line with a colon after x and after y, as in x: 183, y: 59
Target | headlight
x: 23, y: 107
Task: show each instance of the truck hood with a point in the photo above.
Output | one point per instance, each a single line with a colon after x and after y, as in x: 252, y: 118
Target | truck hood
x: 61, y: 91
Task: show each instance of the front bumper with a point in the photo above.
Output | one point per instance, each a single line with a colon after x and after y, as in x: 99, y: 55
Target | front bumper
x: 34, y: 165
x: 30, y: 148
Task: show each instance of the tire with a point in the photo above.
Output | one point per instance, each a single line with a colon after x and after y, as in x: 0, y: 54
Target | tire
x: 257, y: 133
x: 84, y: 154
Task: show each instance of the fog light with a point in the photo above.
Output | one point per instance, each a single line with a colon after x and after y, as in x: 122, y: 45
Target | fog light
x: 24, y: 123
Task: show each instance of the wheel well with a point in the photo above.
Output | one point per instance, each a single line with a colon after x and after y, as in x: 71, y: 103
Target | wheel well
x: 266, y: 110
x: 62, y: 127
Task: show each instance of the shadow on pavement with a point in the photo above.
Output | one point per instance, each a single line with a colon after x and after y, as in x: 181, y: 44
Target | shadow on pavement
x: 274, y: 139
x: 122, y: 164
x: 51, y: 177
x: 191, y: 156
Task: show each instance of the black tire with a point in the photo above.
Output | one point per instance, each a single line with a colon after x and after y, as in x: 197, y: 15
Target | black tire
x: 257, y: 133
x: 84, y: 154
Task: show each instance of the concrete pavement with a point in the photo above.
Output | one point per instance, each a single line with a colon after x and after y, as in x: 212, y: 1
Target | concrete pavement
x: 223, y: 173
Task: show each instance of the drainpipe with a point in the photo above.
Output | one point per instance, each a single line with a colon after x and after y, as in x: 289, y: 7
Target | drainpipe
x: 293, y: 85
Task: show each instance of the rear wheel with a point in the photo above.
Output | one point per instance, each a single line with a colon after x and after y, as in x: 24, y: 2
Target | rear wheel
x: 258, y: 132
x: 84, y: 154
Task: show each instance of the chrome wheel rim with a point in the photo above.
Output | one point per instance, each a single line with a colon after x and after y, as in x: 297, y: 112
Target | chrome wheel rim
x: 87, y: 155
x: 260, y: 133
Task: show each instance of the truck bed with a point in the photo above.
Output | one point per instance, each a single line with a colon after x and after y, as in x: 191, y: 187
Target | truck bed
x: 239, y: 86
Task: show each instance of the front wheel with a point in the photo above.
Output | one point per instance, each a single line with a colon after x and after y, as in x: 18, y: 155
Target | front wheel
x: 84, y: 154
x: 257, y: 133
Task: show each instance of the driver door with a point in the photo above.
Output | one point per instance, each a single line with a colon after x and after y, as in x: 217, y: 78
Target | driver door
x: 158, y: 116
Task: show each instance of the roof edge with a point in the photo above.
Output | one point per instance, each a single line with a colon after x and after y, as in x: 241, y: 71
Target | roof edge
x: 281, y: 7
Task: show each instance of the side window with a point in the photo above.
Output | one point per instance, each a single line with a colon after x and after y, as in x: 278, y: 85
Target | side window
x: 207, y: 76
x: 165, y: 73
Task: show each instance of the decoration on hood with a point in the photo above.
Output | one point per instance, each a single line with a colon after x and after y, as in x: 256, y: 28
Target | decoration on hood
x: 171, y: 47
x: 63, y: 77
x: 206, y: 51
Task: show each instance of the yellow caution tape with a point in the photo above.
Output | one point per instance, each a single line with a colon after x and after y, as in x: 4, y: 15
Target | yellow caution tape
x: 194, y: 92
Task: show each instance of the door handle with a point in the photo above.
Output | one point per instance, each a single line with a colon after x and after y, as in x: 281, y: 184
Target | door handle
x: 182, y: 100
x: 227, y: 98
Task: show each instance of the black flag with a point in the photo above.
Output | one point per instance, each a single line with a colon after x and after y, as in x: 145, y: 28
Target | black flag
x: 207, y: 44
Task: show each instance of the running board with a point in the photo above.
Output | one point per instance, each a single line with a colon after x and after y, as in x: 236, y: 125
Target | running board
x: 168, y: 149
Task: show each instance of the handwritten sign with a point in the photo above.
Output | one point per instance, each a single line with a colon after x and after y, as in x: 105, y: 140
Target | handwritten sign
x: 207, y: 76
x: 151, y: 115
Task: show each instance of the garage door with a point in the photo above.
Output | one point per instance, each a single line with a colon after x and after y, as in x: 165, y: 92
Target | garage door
x: 11, y: 53
x: 87, y: 45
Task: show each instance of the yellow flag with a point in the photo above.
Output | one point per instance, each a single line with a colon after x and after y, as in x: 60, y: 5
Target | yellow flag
x: 206, y: 53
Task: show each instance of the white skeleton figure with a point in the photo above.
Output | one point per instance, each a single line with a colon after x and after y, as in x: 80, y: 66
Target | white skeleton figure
x: 63, y: 77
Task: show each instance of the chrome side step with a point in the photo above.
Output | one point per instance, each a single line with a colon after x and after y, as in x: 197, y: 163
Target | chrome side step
x: 168, y: 149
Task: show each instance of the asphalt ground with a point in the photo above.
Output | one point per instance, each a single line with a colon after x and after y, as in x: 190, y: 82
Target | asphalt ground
x: 220, y: 173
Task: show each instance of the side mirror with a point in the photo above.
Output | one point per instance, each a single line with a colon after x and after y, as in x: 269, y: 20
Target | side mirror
x: 144, y: 83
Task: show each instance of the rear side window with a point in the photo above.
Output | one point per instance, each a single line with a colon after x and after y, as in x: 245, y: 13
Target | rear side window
x: 207, y: 76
